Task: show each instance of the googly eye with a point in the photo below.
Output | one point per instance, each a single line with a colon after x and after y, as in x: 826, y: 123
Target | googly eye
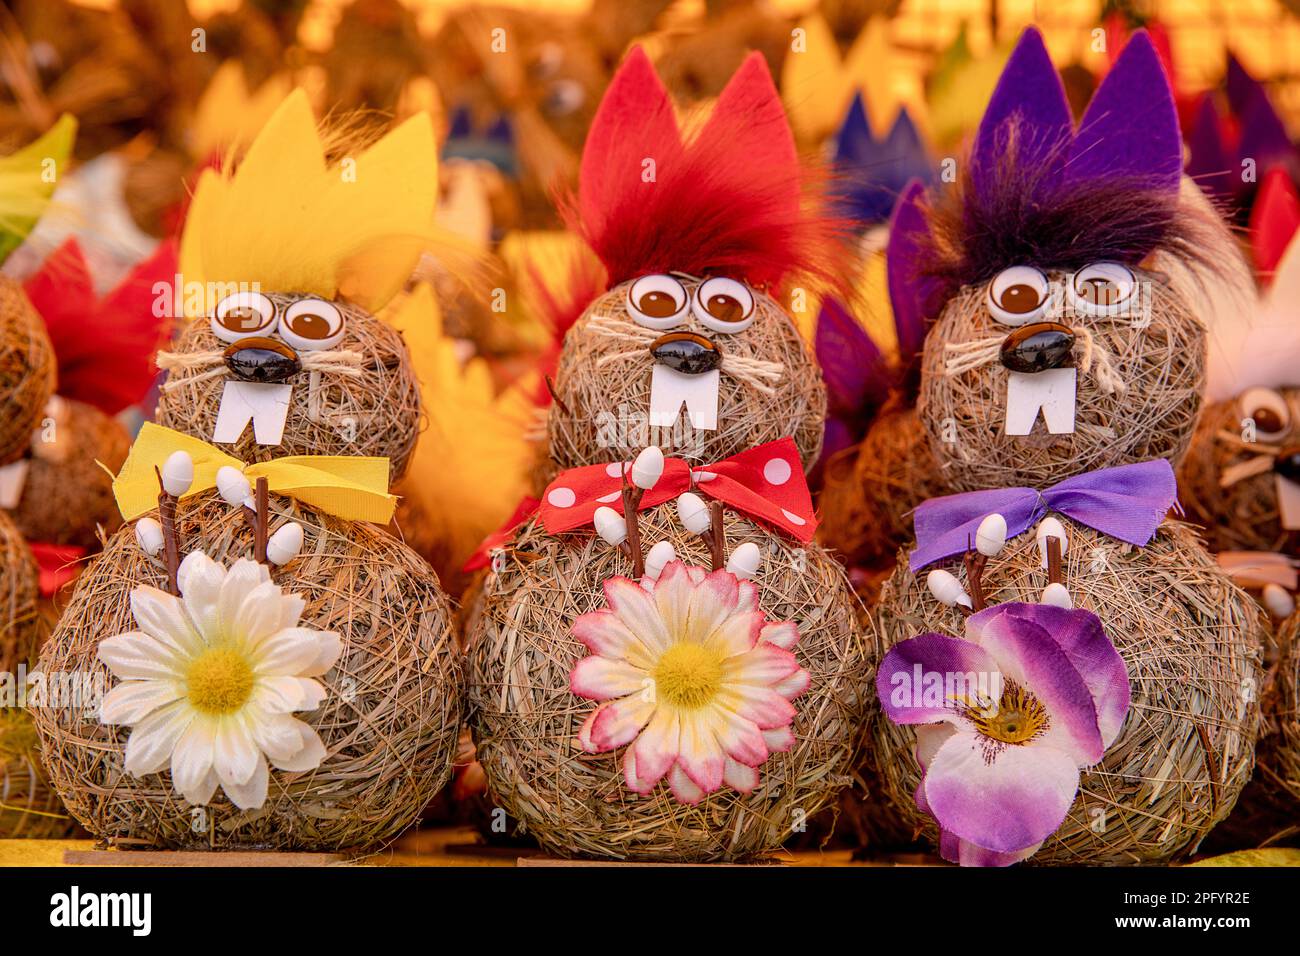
x: 1268, y: 410
x: 657, y: 301
x: 312, y: 324
x: 1018, y: 295
x: 1102, y: 288
x: 243, y: 314
x: 724, y: 305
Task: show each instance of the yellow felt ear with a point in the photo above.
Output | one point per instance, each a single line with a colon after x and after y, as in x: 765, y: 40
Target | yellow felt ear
x: 228, y: 115
x: 27, y: 180
x: 885, y: 80
x: 470, y: 465
x: 289, y: 223
x: 814, y: 87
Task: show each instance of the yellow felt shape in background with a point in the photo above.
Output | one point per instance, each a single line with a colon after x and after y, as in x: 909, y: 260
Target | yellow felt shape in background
x: 27, y: 180
x: 228, y: 114
x: 291, y: 222
x: 471, y: 464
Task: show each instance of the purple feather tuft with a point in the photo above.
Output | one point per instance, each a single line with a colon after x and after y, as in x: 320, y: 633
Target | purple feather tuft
x: 912, y: 294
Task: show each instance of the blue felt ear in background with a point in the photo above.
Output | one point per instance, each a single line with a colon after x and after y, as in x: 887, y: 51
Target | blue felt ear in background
x: 495, y: 144
x: 870, y: 173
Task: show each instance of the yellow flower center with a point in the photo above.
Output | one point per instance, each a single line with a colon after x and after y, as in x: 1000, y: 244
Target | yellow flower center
x: 220, y: 681
x: 1017, y: 718
x: 688, y: 675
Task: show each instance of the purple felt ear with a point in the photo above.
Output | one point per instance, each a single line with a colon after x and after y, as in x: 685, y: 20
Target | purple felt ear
x: 909, y: 293
x: 1030, y: 89
x: 1131, y: 126
x: 1241, y: 86
x: 1207, y: 157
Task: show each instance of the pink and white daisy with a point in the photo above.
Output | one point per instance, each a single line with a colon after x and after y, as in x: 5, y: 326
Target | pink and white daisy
x: 692, y: 678
x: 210, y: 682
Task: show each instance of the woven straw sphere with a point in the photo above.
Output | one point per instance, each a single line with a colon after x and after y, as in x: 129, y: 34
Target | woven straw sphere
x: 1244, y: 516
x: 332, y: 413
x: 67, y: 497
x: 525, y: 718
x: 1192, y: 642
x: 19, y: 621
x: 870, y: 491
x: 27, y: 370
x: 1161, y: 365
x: 603, y: 387
x: 28, y: 806
x: 389, y: 722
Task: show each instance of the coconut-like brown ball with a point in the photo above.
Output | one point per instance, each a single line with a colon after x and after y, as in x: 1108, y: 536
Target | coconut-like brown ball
x: 1280, y: 749
x: 1139, y: 380
x: 67, y: 497
x: 525, y: 719
x: 359, y: 396
x: 19, y: 620
x: 1234, y: 469
x: 1192, y: 643
x: 769, y: 385
x: 389, y: 722
x: 870, y: 491
x: 27, y: 370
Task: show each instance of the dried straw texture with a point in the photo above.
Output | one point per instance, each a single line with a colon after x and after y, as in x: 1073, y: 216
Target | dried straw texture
x: 1192, y: 642
x: 67, y: 497
x: 389, y: 722
x: 1152, y: 414
x: 19, y: 621
x: 376, y: 412
x: 525, y: 719
x: 1243, y: 516
x: 1282, y: 705
x: 27, y: 370
x: 28, y: 806
x: 870, y: 492
x: 603, y: 385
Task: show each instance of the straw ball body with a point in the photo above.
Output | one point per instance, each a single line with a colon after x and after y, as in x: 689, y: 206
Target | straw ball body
x: 525, y: 719
x: 27, y: 370
x: 389, y: 722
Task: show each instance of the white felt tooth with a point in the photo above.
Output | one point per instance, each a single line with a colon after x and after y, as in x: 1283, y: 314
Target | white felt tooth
x: 1288, y: 502
x: 1052, y: 392
x: 13, y: 478
x: 1279, y: 601
x: 267, y: 406
x: 670, y: 390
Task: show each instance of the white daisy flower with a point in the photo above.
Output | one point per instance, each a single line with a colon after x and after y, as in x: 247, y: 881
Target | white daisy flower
x: 211, y: 679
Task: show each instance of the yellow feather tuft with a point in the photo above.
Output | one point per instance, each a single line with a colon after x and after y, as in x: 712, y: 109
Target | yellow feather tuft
x: 470, y: 466
x: 228, y: 114
x: 289, y: 222
x: 27, y: 181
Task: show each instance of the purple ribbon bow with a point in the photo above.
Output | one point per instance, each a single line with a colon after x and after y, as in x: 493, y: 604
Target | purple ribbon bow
x: 1127, y: 502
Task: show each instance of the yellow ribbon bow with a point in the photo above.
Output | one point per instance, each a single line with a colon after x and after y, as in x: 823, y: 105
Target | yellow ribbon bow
x: 352, y: 488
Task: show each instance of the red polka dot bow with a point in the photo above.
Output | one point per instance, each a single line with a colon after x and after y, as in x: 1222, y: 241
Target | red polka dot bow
x: 765, y: 483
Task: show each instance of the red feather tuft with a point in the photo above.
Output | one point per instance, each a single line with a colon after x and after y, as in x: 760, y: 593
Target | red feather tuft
x: 105, y: 347
x: 729, y: 201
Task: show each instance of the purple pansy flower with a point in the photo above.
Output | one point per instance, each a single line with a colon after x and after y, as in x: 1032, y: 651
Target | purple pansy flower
x: 1007, y: 718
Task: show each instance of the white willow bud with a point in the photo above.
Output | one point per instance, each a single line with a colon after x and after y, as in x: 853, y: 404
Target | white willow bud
x: 647, y: 468
x: 1051, y: 528
x: 658, y: 558
x: 149, y: 535
x: 693, y: 512
x: 232, y: 485
x: 947, y: 589
x: 284, y: 545
x: 177, y: 473
x: 745, y: 561
x: 1279, y: 601
x: 1057, y: 595
x: 991, y: 535
x: 610, y: 525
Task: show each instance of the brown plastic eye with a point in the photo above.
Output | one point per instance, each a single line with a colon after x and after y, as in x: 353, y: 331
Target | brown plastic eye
x: 1018, y: 295
x: 657, y: 301
x: 241, y: 315
x: 1101, y: 288
x: 724, y: 305
x: 312, y: 324
x: 1269, y: 411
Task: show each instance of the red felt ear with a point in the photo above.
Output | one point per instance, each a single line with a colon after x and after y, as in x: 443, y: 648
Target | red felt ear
x: 1274, y: 220
x: 750, y: 117
x: 635, y: 121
